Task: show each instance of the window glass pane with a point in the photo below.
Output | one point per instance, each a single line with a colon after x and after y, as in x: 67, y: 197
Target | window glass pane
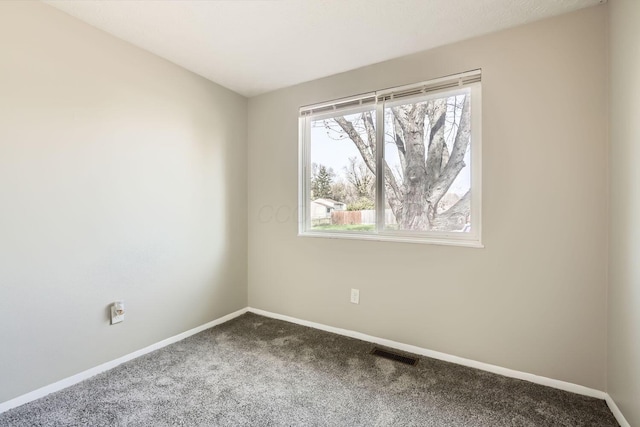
x: 427, y: 178
x: 342, y: 176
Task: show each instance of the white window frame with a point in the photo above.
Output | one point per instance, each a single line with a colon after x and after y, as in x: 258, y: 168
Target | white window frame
x: 378, y: 101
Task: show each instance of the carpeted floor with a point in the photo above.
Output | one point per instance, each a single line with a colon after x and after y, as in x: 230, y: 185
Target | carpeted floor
x: 256, y: 371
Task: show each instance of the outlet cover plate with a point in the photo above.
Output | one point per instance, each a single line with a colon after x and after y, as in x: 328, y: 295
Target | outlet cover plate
x: 115, y: 317
x: 355, y: 296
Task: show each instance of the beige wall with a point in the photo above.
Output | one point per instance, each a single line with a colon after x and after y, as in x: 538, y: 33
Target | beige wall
x: 122, y: 176
x: 623, y: 373
x: 535, y: 298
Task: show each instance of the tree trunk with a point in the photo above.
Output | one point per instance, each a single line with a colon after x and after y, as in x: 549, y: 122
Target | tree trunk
x: 437, y: 146
x: 411, y: 119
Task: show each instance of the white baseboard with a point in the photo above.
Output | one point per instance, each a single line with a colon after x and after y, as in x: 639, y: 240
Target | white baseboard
x: 562, y: 385
x: 67, y: 382
x: 549, y: 382
x: 616, y: 412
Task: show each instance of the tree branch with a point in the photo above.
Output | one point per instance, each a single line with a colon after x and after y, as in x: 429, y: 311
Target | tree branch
x: 394, y: 197
x: 367, y: 156
x: 371, y: 131
x: 456, y: 160
x: 397, y: 138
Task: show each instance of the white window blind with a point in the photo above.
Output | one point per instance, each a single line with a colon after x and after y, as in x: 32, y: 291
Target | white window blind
x: 371, y: 98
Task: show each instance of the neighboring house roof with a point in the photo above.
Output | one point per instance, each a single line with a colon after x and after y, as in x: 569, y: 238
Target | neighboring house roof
x: 328, y: 203
x: 449, y: 200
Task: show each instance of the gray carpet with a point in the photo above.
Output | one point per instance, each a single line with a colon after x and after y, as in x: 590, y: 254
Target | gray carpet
x: 255, y: 371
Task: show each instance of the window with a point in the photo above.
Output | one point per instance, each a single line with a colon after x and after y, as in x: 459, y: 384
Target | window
x: 397, y: 164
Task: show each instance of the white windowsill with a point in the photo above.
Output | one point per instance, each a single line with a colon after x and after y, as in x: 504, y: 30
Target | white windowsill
x: 393, y: 238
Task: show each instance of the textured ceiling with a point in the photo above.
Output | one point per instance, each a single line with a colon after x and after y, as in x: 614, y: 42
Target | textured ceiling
x: 255, y: 46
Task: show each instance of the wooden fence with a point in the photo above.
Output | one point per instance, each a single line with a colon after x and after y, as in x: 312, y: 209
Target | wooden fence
x: 360, y: 217
x: 346, y: 217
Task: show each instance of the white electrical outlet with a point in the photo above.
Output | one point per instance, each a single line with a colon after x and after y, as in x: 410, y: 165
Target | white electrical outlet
x: 115, y: 317
x: 355, y: 296
x: 117, y: 312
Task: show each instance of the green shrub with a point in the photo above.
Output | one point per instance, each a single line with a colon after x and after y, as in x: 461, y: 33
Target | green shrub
x: 362, y: 204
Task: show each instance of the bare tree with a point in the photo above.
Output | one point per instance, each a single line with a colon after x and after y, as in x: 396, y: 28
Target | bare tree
x: 428, y: 165
x: 361, y: 178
